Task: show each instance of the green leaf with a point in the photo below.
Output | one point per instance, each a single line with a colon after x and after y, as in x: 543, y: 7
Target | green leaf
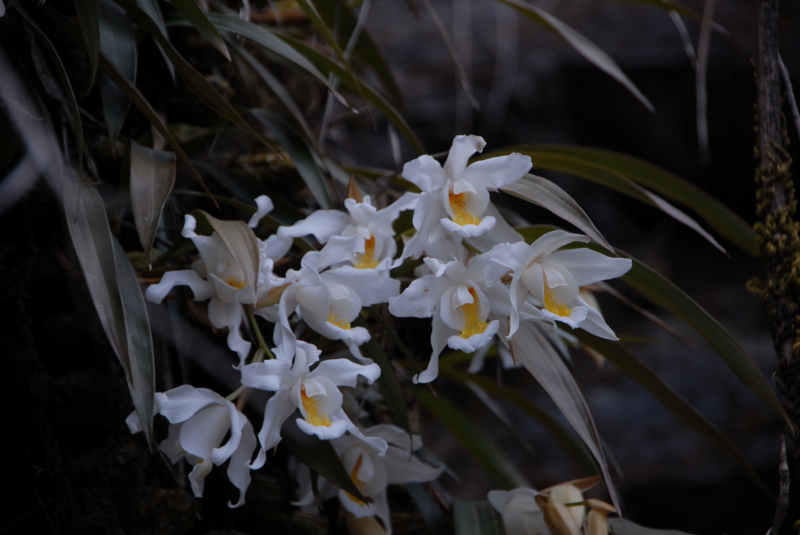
x: 302, y: 157
x: 499, y: 413
x: 669, y: 399
x: 337, y: 14
x: 152, y: 178
x: 199, y: 20
x: 118, y: 43
x: 318, y: 455
x: 532, y: 349
x: 62, y: 75
x: 387, y: 382
x: 243, y: 246
x: 581, y: 44
x: 264, y: 37
x: 606, y: 168
x: 196, y: 81
x: 132, y: 92
x: 542, y: 192
x: 491, y: 458
x: 476, y: 518
x: 277, y: 89
x: 429, y: 509
x: 329, y: 66
x: 115, y: 293
x: 626, y: 527
x: 90, y: 28
x: 313, y: 15
x: 568, y: 441
x: 154, y: 12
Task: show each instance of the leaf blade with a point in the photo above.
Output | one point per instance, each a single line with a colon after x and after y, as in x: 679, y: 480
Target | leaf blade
x: 476, y: 518
x: 199, y: 20
x: 90, y: 28
x: 118, y: 43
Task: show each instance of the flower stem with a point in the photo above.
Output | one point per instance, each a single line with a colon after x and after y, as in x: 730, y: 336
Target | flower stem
x: 236, y: 393
x: 259, y: 336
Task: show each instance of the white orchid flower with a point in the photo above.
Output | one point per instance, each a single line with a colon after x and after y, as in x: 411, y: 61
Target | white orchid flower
x: 520, y: 512
x: 217, y: 276
x: 459, y: 301
x: 372, y: 473
x: 363, y: 238
x: 199, y: 421
x: 456, y: 196
x: 330, y: 301
x: 550, y: 280
x: 315, y: 393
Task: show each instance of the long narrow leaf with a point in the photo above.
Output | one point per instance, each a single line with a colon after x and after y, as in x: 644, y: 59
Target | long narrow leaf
x: 301, y: 155
x: 196, y: 81
x: 544, y: 193
x: 152, y: 178
x: 132, y: 92
x: 154, y: 12
x: 90, y: 28
x: 605, y: 167
x: 118, y: 43
x: 494, y: 462
x: 535, y: 353
x: 199, y: 20
x: 476, y: 518
x: 581, y: 44
x: 429, y: 509
x: 669, y: 399
x: 327, y: 65
x: 62, y: 75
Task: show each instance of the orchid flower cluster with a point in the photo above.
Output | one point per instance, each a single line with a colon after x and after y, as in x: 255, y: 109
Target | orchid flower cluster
x: 477, y: 280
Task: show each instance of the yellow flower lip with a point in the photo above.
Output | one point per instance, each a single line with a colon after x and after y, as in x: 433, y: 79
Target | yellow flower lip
x: 551, y: 302
x: 314, y: 416
x: 459, y: 203
x: 236, y: 282
x: 367, y: 260
x: 338, y: 321
x: 359, y: 484
x: 472, y: 322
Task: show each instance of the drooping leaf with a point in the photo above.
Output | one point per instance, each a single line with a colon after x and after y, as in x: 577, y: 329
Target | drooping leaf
x: 142, y: 380
x: 90, y: 28
x: 318, y: 455
x: 532, y: 349
x: 154, y: 12
x: 387, y: 382
x: 476, y: 518
x: 310, y: 9
x: 499, y: 413
x: 152, y: 178
x: 301, y: 155
x: 132, y: 92
x: 271, y: 42
x: 199, y: 20
x: 115, y: 293
x: 62, y: 75
x: 626, y: 527
x: 337, y: 13
x: 606, y: 167
x: 243, y: 246
x: 544, y: 193
x: 277, y: 89
x: 196, y: 81
x: 567, y: 440
x: 491, y: 458
x: 669, y: 399
x: 329, y: 66
x: 118, y: 43
x: 429, y: 509
x: 581, y: 44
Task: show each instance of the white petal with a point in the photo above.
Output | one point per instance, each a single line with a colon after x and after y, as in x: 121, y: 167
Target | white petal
x: 134, y: 424
x: 202, y: 290
x: 375, y: 443
x: 239, y: 466
x: 237, y: 421
x: 439, y: 335
x: 335, y: 430
x: 469, y: 231
x: 402, y: 468
x: 184, y: 401
x: 345, y: 373
x: 595, y: 324
x: 197, y: 477
x: 171, y: 446
x: 265, y: 206
x: 383, y: 219
x: 271, y: 375
x: 279, y: 408
x: 276, y: 247
x: 322, y: 224
x: 358, y: 508
x: 370, y: 286
x: 204, y: 431
x: 425, y: 173
x: 495, y: 173
x: 420, y: 298
x: 476, y: 341
x: 314, y: 300
x: 382, y: 511
x: 224, y: 291
x: 588, y: 267
x: 551, y: 241
x: 505, y: 257
x: 339, y: 249
x: 463, y: 147
x: 396, y: 436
